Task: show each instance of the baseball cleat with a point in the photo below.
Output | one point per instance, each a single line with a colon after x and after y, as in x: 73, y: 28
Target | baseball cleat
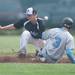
x: 21, y: 55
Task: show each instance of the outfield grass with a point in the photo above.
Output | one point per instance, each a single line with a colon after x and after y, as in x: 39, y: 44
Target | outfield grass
x: 10, y: 45
x: 37, y: 69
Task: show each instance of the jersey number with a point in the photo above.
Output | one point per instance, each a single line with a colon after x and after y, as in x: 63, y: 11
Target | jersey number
x: 57, y: 42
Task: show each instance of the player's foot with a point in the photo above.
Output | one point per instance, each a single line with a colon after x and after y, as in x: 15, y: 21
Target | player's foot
x: 42, y: 59
x: 21, y: 55
x: 38, y: 52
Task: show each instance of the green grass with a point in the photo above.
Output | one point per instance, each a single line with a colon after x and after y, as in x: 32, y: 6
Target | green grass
x: 10, y: 44
x: 37, y: 69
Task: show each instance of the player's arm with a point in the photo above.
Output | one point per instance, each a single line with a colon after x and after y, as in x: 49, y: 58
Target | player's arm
x: 69, y: 50
x: 70, y: 55
x: 8, y: 27
x: 17, y: 25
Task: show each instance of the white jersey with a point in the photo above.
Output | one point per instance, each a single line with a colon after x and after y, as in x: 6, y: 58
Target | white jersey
x: 58, y: 40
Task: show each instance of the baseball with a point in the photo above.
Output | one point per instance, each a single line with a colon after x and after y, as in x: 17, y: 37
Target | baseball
x: 46, y: 17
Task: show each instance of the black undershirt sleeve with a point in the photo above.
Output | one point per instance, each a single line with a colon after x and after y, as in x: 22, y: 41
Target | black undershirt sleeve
x: 19, y: 24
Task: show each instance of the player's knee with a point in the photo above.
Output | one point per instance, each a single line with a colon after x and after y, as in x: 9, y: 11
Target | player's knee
x: 26, y: 33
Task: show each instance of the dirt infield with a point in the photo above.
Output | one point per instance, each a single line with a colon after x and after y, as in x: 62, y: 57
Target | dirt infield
x: 30, y: 58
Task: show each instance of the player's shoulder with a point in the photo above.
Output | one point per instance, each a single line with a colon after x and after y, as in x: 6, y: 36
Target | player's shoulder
x: 54, y: 29
x: 39, y: 19
x: 41, y: 22
x: 69, y: 35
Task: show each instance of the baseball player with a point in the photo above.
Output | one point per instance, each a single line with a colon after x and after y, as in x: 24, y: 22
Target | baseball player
x: 59, y: 40
x: 32, y: 33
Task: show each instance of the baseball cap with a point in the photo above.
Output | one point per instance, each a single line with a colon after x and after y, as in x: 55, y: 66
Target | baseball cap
x: 30, y: 11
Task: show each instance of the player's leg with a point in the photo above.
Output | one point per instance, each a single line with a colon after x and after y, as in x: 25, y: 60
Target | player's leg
x: 44, y: 57
x: 39, y: 44
x: 24, y: 39
x: 44, y: 54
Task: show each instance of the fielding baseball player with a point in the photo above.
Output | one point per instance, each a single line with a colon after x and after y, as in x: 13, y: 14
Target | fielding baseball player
x: 59, y: 40
x: 33, y: 31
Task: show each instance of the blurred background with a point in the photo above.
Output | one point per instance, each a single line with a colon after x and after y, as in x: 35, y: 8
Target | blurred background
x: 13, y: 10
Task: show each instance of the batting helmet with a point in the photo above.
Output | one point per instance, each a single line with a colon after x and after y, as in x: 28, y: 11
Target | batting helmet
x: 67, y: 22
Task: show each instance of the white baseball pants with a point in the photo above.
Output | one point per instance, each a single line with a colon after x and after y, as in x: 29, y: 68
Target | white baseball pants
x: 27, y: 38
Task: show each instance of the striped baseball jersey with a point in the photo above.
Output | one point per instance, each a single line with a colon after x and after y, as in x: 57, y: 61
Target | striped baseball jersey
x: 35, y: 29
